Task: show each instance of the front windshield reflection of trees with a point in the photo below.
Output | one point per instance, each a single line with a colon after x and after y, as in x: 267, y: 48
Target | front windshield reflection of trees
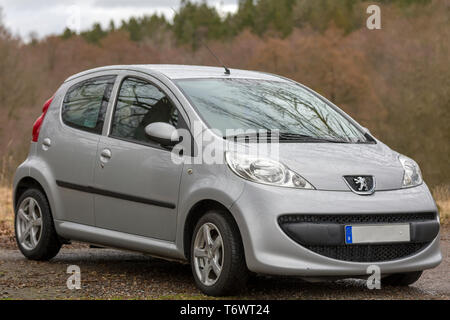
x: 267, y: 105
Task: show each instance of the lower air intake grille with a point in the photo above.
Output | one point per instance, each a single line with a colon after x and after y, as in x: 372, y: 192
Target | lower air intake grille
x: 362, y: 252
x: 368, y: 253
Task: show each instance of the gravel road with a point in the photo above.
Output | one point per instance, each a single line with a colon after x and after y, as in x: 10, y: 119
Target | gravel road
x: 114, y: 274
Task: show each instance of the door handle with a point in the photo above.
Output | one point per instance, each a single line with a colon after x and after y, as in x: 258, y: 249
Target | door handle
x: 105, y: 155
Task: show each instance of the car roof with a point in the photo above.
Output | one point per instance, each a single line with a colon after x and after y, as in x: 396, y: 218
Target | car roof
x: 175, y: 71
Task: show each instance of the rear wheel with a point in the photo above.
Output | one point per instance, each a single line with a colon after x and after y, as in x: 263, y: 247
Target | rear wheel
x: 401, y: 279
x: 217, y: 255
x: 35, y: 232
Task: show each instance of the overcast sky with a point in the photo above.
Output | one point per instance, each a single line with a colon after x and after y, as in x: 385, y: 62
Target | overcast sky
x: 52, y: 16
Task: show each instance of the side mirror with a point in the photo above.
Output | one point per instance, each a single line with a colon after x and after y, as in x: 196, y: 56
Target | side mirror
x: 366, y: 130
x: 163, y: 133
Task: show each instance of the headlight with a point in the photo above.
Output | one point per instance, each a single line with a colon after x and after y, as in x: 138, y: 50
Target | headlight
x: 266, y: 171
x: 412, y: 176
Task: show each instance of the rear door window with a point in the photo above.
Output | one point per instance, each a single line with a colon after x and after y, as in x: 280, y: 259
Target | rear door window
x: 85, y: 104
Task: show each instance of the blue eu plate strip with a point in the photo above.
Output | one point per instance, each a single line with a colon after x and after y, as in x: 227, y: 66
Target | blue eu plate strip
x: 348, y: 234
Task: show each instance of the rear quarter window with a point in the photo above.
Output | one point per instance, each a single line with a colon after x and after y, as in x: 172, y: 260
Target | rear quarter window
x: 85, y: 104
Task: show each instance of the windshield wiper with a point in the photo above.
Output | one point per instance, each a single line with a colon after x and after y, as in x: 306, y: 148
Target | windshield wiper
x: 305, y: 138
x: 282, y: 136
x: 250, y: 137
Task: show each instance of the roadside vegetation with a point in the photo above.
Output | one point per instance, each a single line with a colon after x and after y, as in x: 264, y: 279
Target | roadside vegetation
x: 6, y: 218
x: 442, y: 196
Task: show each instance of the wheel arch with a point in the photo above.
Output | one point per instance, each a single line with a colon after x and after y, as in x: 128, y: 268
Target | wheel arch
x: 195, y: 213
x: 23, y: 185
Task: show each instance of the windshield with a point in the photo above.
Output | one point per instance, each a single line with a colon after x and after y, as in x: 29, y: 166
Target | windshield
x: 248, y: 104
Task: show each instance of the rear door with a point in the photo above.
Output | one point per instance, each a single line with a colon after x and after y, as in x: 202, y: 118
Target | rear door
x: 136, y: 181
x: 69, y: 140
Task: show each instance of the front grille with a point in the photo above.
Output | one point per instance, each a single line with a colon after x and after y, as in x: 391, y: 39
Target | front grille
x: 357, y: 218
x: 368, y: 253
x: 362, y: 252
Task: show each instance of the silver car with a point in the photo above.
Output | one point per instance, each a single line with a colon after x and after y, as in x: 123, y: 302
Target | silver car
x: 236, y: 172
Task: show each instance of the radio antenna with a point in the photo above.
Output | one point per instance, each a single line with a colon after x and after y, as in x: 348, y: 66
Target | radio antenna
x: 227, y: 71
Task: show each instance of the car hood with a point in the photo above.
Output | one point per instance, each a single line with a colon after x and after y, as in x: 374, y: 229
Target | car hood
x: 325, y: 164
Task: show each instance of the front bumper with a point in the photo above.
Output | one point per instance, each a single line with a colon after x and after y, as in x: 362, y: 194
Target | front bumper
x: 269, y: 250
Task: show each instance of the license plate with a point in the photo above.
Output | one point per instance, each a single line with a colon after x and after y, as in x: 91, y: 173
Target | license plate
x: 377, y: 233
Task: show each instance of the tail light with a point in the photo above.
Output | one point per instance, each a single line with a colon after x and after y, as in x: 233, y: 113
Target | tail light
x: 38, y: 123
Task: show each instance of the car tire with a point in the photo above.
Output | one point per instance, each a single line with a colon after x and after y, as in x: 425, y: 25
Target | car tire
x: 34, y: 229
x: 230, y: 258
x: 401, y: 279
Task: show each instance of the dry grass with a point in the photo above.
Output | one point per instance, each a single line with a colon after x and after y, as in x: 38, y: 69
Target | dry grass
x: 442, y: 196
x: 6, y: 209
x: 6, y: 217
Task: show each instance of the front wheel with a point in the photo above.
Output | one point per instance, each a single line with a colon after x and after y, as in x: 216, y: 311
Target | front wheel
x: 217, y: 255
x: 35, y: 232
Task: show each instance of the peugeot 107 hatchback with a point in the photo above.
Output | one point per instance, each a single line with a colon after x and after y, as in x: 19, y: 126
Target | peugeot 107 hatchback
x: 234, y: 172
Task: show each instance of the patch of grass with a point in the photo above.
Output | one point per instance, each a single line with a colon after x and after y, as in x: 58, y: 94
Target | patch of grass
x: 6, y: 209
x: 441, y: 195
x: 6, y: 216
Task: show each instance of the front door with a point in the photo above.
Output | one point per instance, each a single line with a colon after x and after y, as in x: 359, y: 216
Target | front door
x: 136, y: 182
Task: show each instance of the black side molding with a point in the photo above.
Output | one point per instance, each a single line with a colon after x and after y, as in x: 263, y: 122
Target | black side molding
x: 112, y: 194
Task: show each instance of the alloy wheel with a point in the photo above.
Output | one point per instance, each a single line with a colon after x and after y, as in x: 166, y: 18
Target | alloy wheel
x: 29, y: 223
x: 208, y: 254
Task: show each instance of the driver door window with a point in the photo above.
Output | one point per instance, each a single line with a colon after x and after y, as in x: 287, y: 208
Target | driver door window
x: 139, y: 104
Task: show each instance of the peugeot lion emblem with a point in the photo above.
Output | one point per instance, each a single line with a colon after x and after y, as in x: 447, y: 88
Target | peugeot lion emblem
x: 363, y: 184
